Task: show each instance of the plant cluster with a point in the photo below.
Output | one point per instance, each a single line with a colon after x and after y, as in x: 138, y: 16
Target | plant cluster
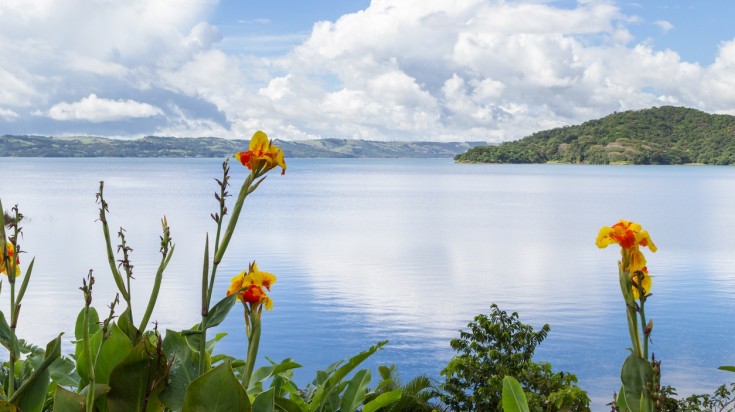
x: 122, y: 364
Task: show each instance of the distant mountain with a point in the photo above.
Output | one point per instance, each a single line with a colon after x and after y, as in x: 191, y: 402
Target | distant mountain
x: 154, y: 146
x: 661, y: 135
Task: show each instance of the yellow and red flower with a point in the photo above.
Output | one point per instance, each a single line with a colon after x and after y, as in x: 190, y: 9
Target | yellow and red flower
x: 10, y: 250
x: 251, y: 283
x: 630, y: 236
x: 262, y: 154
x: 627, y: 234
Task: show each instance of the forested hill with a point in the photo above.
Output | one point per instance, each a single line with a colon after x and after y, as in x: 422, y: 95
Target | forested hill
x: 152, y: 146
x: 662, y: 135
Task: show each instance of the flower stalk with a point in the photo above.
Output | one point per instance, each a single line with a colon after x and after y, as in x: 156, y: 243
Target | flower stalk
x: 167, y: 251
x: 639, y: 375
x: 10, y: 261
x: 261, y: 157
x: 117, y: 276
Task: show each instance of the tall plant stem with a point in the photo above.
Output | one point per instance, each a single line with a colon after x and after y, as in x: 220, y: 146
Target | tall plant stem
x: 90, y: 363
x: 11, y: 268
x: 12, y: 355
x: 642, y: 314
x: 253, y: 343
x: 110, y: 255
x: 220, y: 247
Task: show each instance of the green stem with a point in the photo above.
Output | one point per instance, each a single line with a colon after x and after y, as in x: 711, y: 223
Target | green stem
x: 90, y: 364
x: 110, y: 255
x: 245, y: 190
x: 11, y: 268
x: 12, y: 354
x: 630, y: 305
x: 156, y: 287
x: 644, y: 325
x: 253, y: 343
x: 205, y: 311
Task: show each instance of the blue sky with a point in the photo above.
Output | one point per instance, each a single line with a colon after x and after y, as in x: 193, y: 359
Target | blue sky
x: 441, y: 70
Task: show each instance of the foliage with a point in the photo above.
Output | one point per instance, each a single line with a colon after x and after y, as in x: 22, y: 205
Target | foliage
x: 501, y: 345
x: 662, y: 135
x: 417, y: 394
x: 721, y: 400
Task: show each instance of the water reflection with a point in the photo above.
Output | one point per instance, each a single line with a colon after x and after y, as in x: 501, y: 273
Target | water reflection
x: 405, y: 250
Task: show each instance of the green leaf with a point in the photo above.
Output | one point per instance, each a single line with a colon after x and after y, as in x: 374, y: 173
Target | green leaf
x: 263, y: 373
x: 636, y: 373
x: 727, y: 368
x: 107, y: 355
x: 183, y: 369
x: 31, y: 395
x: 329, y: 384
x: 621, y: 402
x: 288, y: 405
x: 383, y: 400
x: 138, y: 379
x: 265, y: 401
x: 219, y: 311
x: 62, y: 372
x: 212, y: 342
x: 67, y: 401
x: 216, y: 391
x: 7, y: 338
x: 94, y: 324
x: 125, y: 322
x: 294, y: 394
x: 356, y: 391
x: 514, y: 400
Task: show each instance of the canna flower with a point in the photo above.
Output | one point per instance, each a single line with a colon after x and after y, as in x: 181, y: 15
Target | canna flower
x: 10, y: 249
x: 250, y: 283
x: 262, y: 154
x: 630, y: 236
x: 627, y: 234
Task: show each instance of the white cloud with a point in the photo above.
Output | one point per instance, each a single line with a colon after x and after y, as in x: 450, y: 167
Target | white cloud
x: 409, y: 70
x: 95, y: 109
x: 664, y: 25
x: 8, y: 114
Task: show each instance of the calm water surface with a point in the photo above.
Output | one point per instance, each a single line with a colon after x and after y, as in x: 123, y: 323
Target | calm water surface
x: 404, y: 250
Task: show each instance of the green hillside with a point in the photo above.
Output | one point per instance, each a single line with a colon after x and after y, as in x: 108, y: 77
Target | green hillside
x: 154, y: 146
x: 661, y: 135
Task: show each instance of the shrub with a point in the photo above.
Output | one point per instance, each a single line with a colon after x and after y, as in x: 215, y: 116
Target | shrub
x: 501, y: 345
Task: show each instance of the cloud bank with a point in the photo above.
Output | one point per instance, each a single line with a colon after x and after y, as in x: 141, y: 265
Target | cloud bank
x: 409, y: 70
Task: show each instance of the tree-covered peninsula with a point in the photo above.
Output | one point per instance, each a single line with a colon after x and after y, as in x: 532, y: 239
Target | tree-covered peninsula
x: 661, y: 135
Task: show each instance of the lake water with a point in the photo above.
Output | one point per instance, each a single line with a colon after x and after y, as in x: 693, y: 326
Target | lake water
x: 404, y: 250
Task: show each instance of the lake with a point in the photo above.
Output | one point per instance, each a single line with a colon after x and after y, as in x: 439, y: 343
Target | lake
x: 404, y: 250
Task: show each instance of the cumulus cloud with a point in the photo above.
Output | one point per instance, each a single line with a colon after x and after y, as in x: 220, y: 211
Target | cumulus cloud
x: 664, y: 25
x: 8, y: 114
x: 410, y: 70
x: 95, y: 109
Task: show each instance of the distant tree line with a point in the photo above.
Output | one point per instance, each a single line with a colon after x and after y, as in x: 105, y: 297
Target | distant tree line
x: 213, y: 147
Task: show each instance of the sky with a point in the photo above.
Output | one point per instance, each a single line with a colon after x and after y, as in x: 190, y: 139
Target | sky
x: 430, y: 70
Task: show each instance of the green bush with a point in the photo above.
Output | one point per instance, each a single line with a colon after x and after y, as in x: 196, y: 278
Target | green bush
x: 501, y: 345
